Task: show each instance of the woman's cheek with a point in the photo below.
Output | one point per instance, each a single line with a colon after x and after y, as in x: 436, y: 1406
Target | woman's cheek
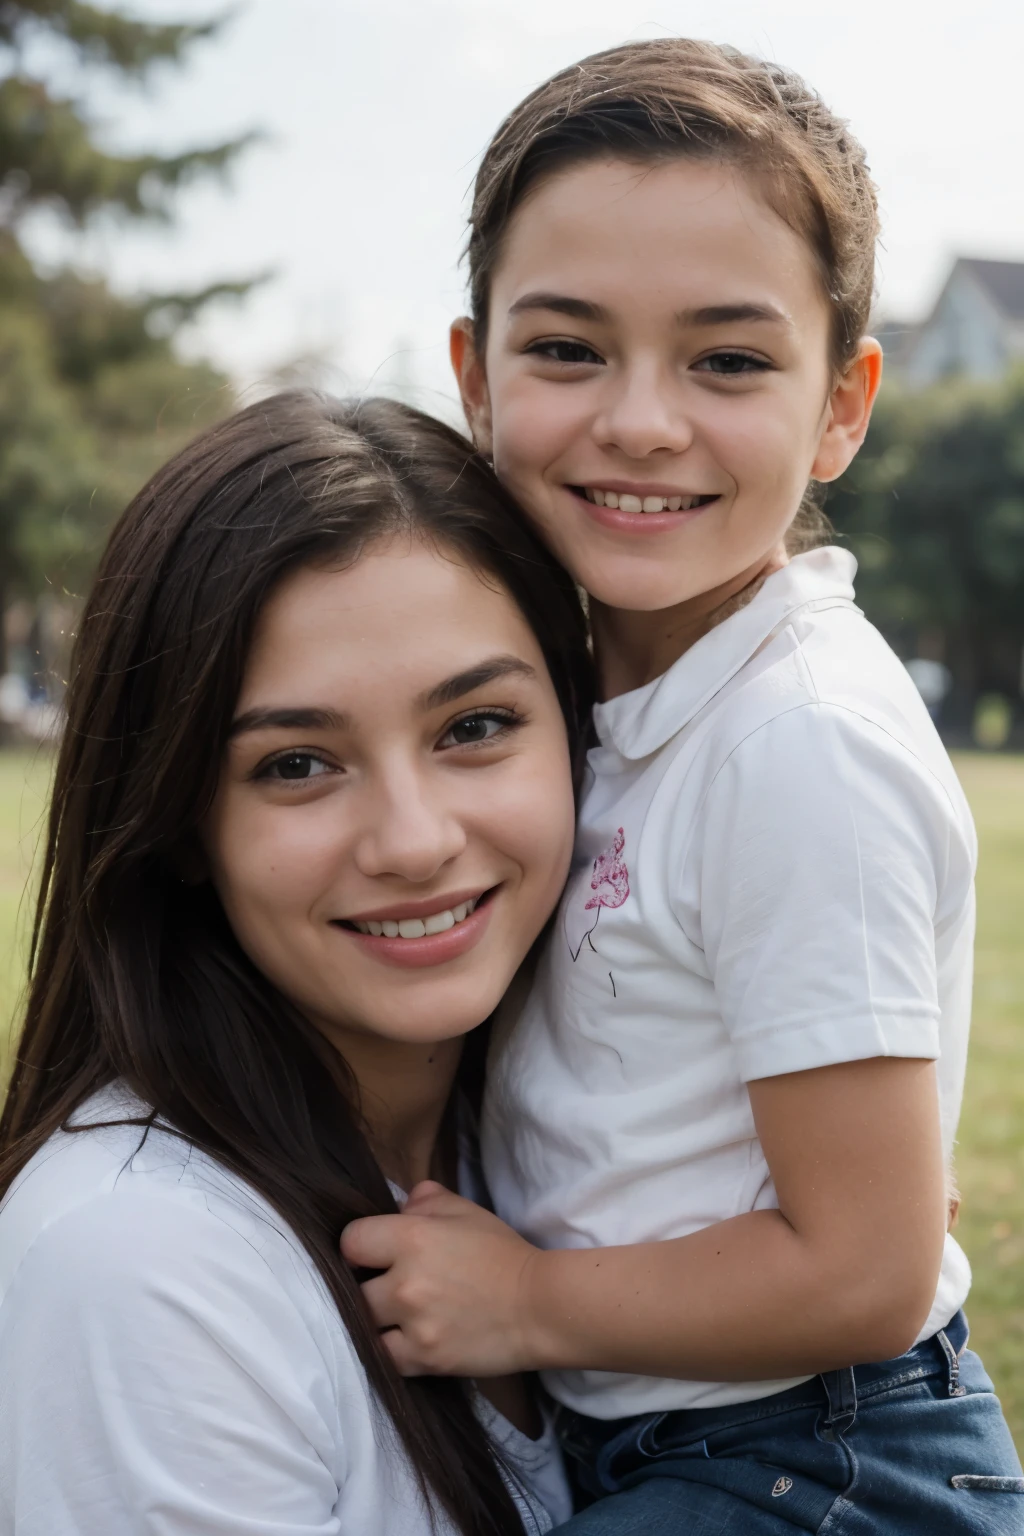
x: 545, y: 828
x: 272, y: 864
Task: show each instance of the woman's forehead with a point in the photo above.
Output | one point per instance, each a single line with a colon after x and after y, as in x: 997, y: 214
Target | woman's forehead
x: 388, y: 626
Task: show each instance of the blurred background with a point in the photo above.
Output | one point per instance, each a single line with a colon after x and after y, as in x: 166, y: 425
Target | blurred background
x: 197, y: 207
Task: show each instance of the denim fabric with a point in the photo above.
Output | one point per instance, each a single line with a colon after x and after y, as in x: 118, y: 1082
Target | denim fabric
x: 915, y: 1446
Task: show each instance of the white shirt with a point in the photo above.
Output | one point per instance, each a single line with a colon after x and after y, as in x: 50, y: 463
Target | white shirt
x: 171, y: 1363
x: 774, y: 872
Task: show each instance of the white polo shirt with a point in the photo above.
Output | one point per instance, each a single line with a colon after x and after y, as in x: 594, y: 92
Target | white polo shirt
x: 774, y: 872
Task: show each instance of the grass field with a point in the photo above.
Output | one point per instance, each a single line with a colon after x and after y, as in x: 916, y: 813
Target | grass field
x: 990, y: 1158
x: 24, y: 782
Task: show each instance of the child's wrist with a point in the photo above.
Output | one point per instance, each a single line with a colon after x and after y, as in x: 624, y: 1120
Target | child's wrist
x: 544, y: 1314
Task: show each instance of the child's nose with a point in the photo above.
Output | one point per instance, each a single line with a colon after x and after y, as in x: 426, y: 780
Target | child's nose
x: 644, y: 414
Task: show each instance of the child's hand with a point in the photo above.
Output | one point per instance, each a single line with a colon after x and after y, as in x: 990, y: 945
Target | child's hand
x: 454, y: 1295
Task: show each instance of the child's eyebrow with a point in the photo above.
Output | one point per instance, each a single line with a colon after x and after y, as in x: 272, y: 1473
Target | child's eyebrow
x: 729, y: 314
x: 707, y: 314
x: 561, y: 304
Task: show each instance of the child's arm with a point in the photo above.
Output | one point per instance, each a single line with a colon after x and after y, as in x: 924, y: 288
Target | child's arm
x: 844, y: 1271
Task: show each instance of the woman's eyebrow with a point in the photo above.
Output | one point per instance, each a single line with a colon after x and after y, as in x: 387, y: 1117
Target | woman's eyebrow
x: 461, y: 683
x: 307, y: 719
x: 560, y: 304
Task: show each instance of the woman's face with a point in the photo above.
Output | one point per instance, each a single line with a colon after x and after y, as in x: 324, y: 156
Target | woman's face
x: 394, y: 818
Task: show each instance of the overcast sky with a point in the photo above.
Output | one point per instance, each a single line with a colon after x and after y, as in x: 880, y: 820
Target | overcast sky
x: 376, y: 112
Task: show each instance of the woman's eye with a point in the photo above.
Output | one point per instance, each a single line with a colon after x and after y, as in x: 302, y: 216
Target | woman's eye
x: 732, y: 363
x: 473, y: 729
x: 295, y: 766
x: 565, y: 351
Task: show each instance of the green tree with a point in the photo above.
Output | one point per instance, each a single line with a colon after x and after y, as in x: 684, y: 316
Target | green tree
x: 92, y: 392
x: 933, y: 508
x: 48, y: 153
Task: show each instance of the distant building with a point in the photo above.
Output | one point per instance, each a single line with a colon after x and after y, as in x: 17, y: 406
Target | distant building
x: 976, y: 328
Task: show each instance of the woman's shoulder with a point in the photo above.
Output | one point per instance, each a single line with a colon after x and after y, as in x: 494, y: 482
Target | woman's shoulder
x: 129, y: 1208
x: 202, y: 1349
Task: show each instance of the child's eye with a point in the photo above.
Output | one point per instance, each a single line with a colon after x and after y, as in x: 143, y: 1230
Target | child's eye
x: 563, y: 351
x: 482, y: 726
x: 294, y: 767
x: 730, y: 364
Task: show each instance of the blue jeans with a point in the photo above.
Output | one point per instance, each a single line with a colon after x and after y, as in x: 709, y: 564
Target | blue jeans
x: 915, y: 1446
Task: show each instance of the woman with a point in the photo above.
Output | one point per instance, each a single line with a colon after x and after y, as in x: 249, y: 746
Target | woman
x: 312, y: 808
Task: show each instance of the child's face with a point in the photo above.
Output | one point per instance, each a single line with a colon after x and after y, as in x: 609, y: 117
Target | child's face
x: 658, y: 338
x: 398, y: 754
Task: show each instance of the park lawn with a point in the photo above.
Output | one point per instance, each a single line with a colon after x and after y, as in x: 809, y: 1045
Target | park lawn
x: 24, y: 783
x: 990, y: 1153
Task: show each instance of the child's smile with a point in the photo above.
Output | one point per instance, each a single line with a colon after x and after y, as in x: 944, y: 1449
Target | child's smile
x: 636, y: 508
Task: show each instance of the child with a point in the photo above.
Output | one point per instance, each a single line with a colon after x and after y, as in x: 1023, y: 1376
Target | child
x: 720, y: 1122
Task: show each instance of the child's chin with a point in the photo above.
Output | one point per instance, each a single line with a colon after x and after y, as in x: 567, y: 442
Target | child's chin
x: 643, y: 593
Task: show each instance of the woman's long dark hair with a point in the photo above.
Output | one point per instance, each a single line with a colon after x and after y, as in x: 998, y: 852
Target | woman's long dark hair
x: 136, y: 975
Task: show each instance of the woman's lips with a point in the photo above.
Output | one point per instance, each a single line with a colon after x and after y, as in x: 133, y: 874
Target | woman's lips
x: 433, y: 948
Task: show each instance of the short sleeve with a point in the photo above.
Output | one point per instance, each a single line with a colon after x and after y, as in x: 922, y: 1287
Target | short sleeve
x: 823, y: 857
x: 156, y: 1377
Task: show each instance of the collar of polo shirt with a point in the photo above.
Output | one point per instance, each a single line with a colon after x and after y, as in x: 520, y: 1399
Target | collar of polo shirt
x: 642, y: 721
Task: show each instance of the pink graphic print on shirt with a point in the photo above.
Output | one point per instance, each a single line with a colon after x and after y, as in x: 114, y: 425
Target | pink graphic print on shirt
x: 609, y: 882
x: 611, y: 877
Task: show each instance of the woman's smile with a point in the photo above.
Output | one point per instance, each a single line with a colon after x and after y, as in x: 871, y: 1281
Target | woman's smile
x: 428, y: 932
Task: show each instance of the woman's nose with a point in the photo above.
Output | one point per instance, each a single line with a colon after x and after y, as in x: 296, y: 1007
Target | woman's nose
x: 644, y: 414
x: 409, y: 832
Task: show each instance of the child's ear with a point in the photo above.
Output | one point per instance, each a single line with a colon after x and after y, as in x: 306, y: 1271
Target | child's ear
x: 849, y: 412
x: 472, y: 379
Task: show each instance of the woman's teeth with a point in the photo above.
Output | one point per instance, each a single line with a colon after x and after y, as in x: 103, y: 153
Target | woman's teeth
x: 418, y: 927
x: 628, y: 503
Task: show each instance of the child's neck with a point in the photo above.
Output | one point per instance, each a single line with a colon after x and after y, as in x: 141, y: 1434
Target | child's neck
x: 633, y: 648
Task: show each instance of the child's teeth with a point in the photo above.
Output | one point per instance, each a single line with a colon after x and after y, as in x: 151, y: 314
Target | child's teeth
x: 629, y: 503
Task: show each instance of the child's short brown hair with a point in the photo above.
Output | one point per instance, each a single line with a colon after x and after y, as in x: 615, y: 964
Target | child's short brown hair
x: 675, y: 97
